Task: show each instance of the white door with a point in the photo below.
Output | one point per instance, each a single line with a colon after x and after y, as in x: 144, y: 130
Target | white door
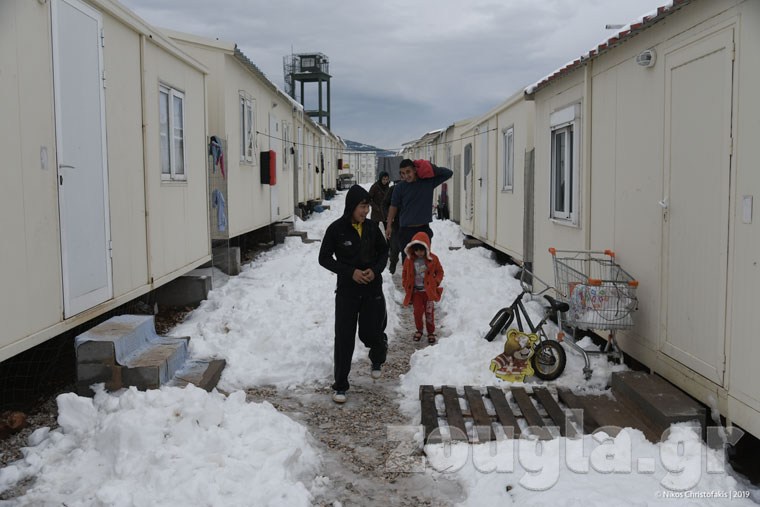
x: 469, y: 177
x: 482, y: 164
x: 274, y: 143
x: 81, y: 154
x: 698, y: 110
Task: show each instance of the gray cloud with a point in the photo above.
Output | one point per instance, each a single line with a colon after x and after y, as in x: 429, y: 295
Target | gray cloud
x: 401, y: 68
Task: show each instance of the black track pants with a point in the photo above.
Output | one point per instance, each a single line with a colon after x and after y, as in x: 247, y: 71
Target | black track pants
x: 369, y: 311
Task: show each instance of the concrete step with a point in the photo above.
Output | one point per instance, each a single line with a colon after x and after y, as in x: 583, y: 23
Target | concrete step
x: 125, y: 351
x: 156, y: 364
x: 303, y: 235
x: 204, y: 374
x: 116, y: 339
x: 469, y: 243
x: 300, y: 234
x: 609, y: 412
x: 659, y: 400
x: 280, y: 231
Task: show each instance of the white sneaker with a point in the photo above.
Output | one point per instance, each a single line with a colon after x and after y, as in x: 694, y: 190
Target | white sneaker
x: 376, y: 371
x: 339, y: 396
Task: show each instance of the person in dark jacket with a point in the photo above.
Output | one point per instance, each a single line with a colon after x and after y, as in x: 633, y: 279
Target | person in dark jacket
x: 393, y: 245
x: 377, y: 193
x: 354, y: 249
x: 413, y: 199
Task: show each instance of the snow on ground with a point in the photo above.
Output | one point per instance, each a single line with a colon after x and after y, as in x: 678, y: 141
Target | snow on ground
x: 167, y: 447
x: 274, y: 325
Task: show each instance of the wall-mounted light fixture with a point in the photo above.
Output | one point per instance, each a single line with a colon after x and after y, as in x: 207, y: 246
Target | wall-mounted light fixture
x: 646, y: 58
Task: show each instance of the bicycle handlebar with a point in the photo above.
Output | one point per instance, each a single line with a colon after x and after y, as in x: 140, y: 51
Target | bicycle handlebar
x: 529, y: 287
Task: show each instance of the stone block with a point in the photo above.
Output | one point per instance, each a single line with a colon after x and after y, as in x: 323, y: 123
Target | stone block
x: 156, y: 364
x: 281, y: 230
x: 96, y: 373
x: 203, y: 374
x: 662, y: 402
x: 227, y: 259
x: 472, y: 243
x: 187, y: 290
x: 114, y: 340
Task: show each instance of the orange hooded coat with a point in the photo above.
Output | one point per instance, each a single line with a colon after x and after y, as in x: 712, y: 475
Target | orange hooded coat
x: 433, y: 275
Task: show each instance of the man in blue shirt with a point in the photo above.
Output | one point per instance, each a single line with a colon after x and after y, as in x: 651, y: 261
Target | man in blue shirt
x: 414, y: 195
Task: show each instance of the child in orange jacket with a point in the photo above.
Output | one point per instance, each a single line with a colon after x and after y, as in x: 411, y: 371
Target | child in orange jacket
x: 421, y: 279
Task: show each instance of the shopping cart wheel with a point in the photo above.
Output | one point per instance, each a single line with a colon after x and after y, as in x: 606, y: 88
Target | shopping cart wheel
x: 548, y: 360
x: 499, y: 323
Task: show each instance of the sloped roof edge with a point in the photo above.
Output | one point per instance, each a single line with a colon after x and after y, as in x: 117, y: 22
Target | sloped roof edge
x: 626, y: 33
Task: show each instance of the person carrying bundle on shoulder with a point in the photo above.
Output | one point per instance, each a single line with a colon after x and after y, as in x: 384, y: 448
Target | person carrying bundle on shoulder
x: 413, y: 196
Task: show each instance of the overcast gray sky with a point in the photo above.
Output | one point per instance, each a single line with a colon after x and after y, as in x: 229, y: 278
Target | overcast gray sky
x: 401, y: 68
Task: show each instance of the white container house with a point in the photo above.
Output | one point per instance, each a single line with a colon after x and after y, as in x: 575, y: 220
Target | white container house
x: 104, y: 188
x: 251, y: 115
x: 647, y: 146
x: 496, y: 148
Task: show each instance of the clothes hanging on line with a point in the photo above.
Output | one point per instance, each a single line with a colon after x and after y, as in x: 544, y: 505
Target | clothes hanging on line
x: 215, y: 150
x: 217, y: 201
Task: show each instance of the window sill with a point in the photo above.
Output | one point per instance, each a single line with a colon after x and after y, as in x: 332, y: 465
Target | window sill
x: 507, y: 190
x: 565, y: 222
x: 176, y: 179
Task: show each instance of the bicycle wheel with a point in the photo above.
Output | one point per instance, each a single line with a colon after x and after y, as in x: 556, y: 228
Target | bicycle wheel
x: 499, y: 323
x: 548, y: 360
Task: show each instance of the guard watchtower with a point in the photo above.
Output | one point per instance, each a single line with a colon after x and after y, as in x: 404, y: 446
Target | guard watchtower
x: 309, y: 68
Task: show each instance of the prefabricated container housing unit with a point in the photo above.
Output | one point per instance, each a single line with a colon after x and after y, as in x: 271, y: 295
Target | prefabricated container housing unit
x: 362, y: 164
x: 647, y: 146
x: 258, y: 124
x: 497, y: 152
x: 104, y: 180
x: 449, y: 154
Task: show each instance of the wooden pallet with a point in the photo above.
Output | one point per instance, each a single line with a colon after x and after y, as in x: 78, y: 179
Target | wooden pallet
x: 493, y: 413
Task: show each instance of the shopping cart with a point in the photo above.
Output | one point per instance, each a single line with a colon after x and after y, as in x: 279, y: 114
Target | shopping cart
x: 601, y: 296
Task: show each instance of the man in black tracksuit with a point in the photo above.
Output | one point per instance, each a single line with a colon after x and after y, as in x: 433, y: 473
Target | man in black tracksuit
x: 354, y: 248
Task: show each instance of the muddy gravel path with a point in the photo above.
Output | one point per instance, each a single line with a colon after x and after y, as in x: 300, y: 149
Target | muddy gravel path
x: 364, y: 467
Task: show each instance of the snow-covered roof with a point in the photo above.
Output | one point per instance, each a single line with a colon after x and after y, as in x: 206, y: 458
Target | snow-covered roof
x: 627, y: 32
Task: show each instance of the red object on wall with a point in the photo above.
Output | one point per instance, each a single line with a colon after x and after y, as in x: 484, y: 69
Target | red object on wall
x: 268, y: 166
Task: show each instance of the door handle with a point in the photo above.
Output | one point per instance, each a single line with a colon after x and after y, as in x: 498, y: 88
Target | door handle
x: 65, y: 166
x: 664, y: 204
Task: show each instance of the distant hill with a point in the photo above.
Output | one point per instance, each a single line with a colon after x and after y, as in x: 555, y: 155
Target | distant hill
x: 356, y: 146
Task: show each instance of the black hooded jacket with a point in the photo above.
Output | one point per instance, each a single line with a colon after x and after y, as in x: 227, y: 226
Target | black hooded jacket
x: 343, y: 251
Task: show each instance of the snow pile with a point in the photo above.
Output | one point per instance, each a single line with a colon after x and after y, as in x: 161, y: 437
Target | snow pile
x: 166, y: 447
x: 599, y: 470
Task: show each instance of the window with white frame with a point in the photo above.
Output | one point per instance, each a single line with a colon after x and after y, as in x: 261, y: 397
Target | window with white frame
x: 564, y: 165
x: 171, y: 115
x: 247, y: 128
x: 508, y: 164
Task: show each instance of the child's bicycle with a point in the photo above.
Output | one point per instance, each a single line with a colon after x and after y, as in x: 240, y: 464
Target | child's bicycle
x: 548, y: 358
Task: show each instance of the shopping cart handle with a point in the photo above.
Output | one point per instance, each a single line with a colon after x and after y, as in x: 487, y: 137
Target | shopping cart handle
x: 557, y: 306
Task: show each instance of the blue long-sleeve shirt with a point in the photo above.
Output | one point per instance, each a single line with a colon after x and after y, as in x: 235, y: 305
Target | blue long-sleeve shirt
x: 416, y: 199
